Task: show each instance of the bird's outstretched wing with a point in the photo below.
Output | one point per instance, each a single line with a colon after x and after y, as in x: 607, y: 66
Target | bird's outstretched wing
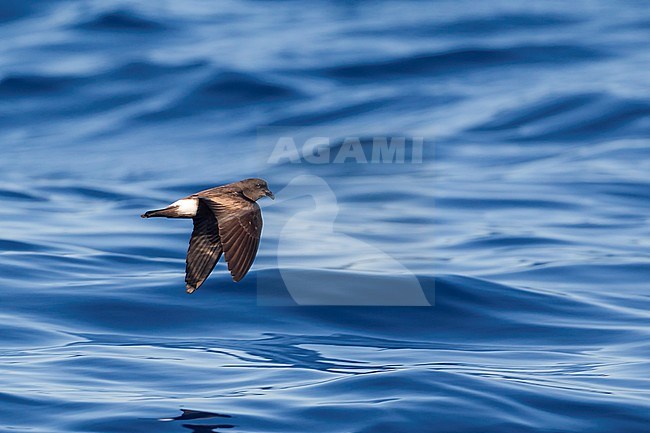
x: 240, y: 228
x: 204, y: 250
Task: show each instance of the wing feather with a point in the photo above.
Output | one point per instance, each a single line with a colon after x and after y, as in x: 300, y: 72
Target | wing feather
x: 240, y: 228
x: 205, y: 248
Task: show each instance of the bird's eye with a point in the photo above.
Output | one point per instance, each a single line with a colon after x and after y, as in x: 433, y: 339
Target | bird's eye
x: 259, y: 185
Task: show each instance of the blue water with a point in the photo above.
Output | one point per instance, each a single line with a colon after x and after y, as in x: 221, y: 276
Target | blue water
x: 526, y: 224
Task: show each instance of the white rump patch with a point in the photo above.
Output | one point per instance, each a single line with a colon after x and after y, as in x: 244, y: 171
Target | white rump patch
x: 187, y: 207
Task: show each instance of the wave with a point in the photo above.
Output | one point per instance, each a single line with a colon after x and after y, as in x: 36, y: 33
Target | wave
x: 571, y: 117
x: 12, y: 10
x: 502, y: 24
x: 120, y: 21
x: 146, y: 70
x: 224, y: 90
x: 11, y: 195
x: 483, y: 347
x: 460, y: 61
x: 29, y: 85
x: 464, y: 309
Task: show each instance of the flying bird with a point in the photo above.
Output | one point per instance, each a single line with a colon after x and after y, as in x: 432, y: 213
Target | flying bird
x: 227, y: 220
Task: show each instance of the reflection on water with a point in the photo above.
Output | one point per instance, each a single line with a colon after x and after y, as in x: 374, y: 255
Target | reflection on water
x: 208, y: 428
x: 189, y: 414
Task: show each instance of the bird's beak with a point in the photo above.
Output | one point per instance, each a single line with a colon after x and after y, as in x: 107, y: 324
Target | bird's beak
x: 269, y: 194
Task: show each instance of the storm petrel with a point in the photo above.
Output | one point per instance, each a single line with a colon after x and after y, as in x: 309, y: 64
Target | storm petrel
x: 227, y: 220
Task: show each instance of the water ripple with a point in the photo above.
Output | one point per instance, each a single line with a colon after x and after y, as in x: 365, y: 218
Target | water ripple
x: 463, y: 60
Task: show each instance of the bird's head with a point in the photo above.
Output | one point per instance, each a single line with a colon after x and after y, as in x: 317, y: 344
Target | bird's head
x: 255, y: 189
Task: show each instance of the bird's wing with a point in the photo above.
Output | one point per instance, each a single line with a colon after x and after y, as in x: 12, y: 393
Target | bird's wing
x: 204, y: 250
x: 240, y: 228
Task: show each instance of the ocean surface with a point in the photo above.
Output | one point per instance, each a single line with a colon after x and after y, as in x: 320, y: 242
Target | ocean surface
x: 499, y: 283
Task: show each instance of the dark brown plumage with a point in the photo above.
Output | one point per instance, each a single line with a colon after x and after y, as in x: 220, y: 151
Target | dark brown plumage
x: 227, y: 220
